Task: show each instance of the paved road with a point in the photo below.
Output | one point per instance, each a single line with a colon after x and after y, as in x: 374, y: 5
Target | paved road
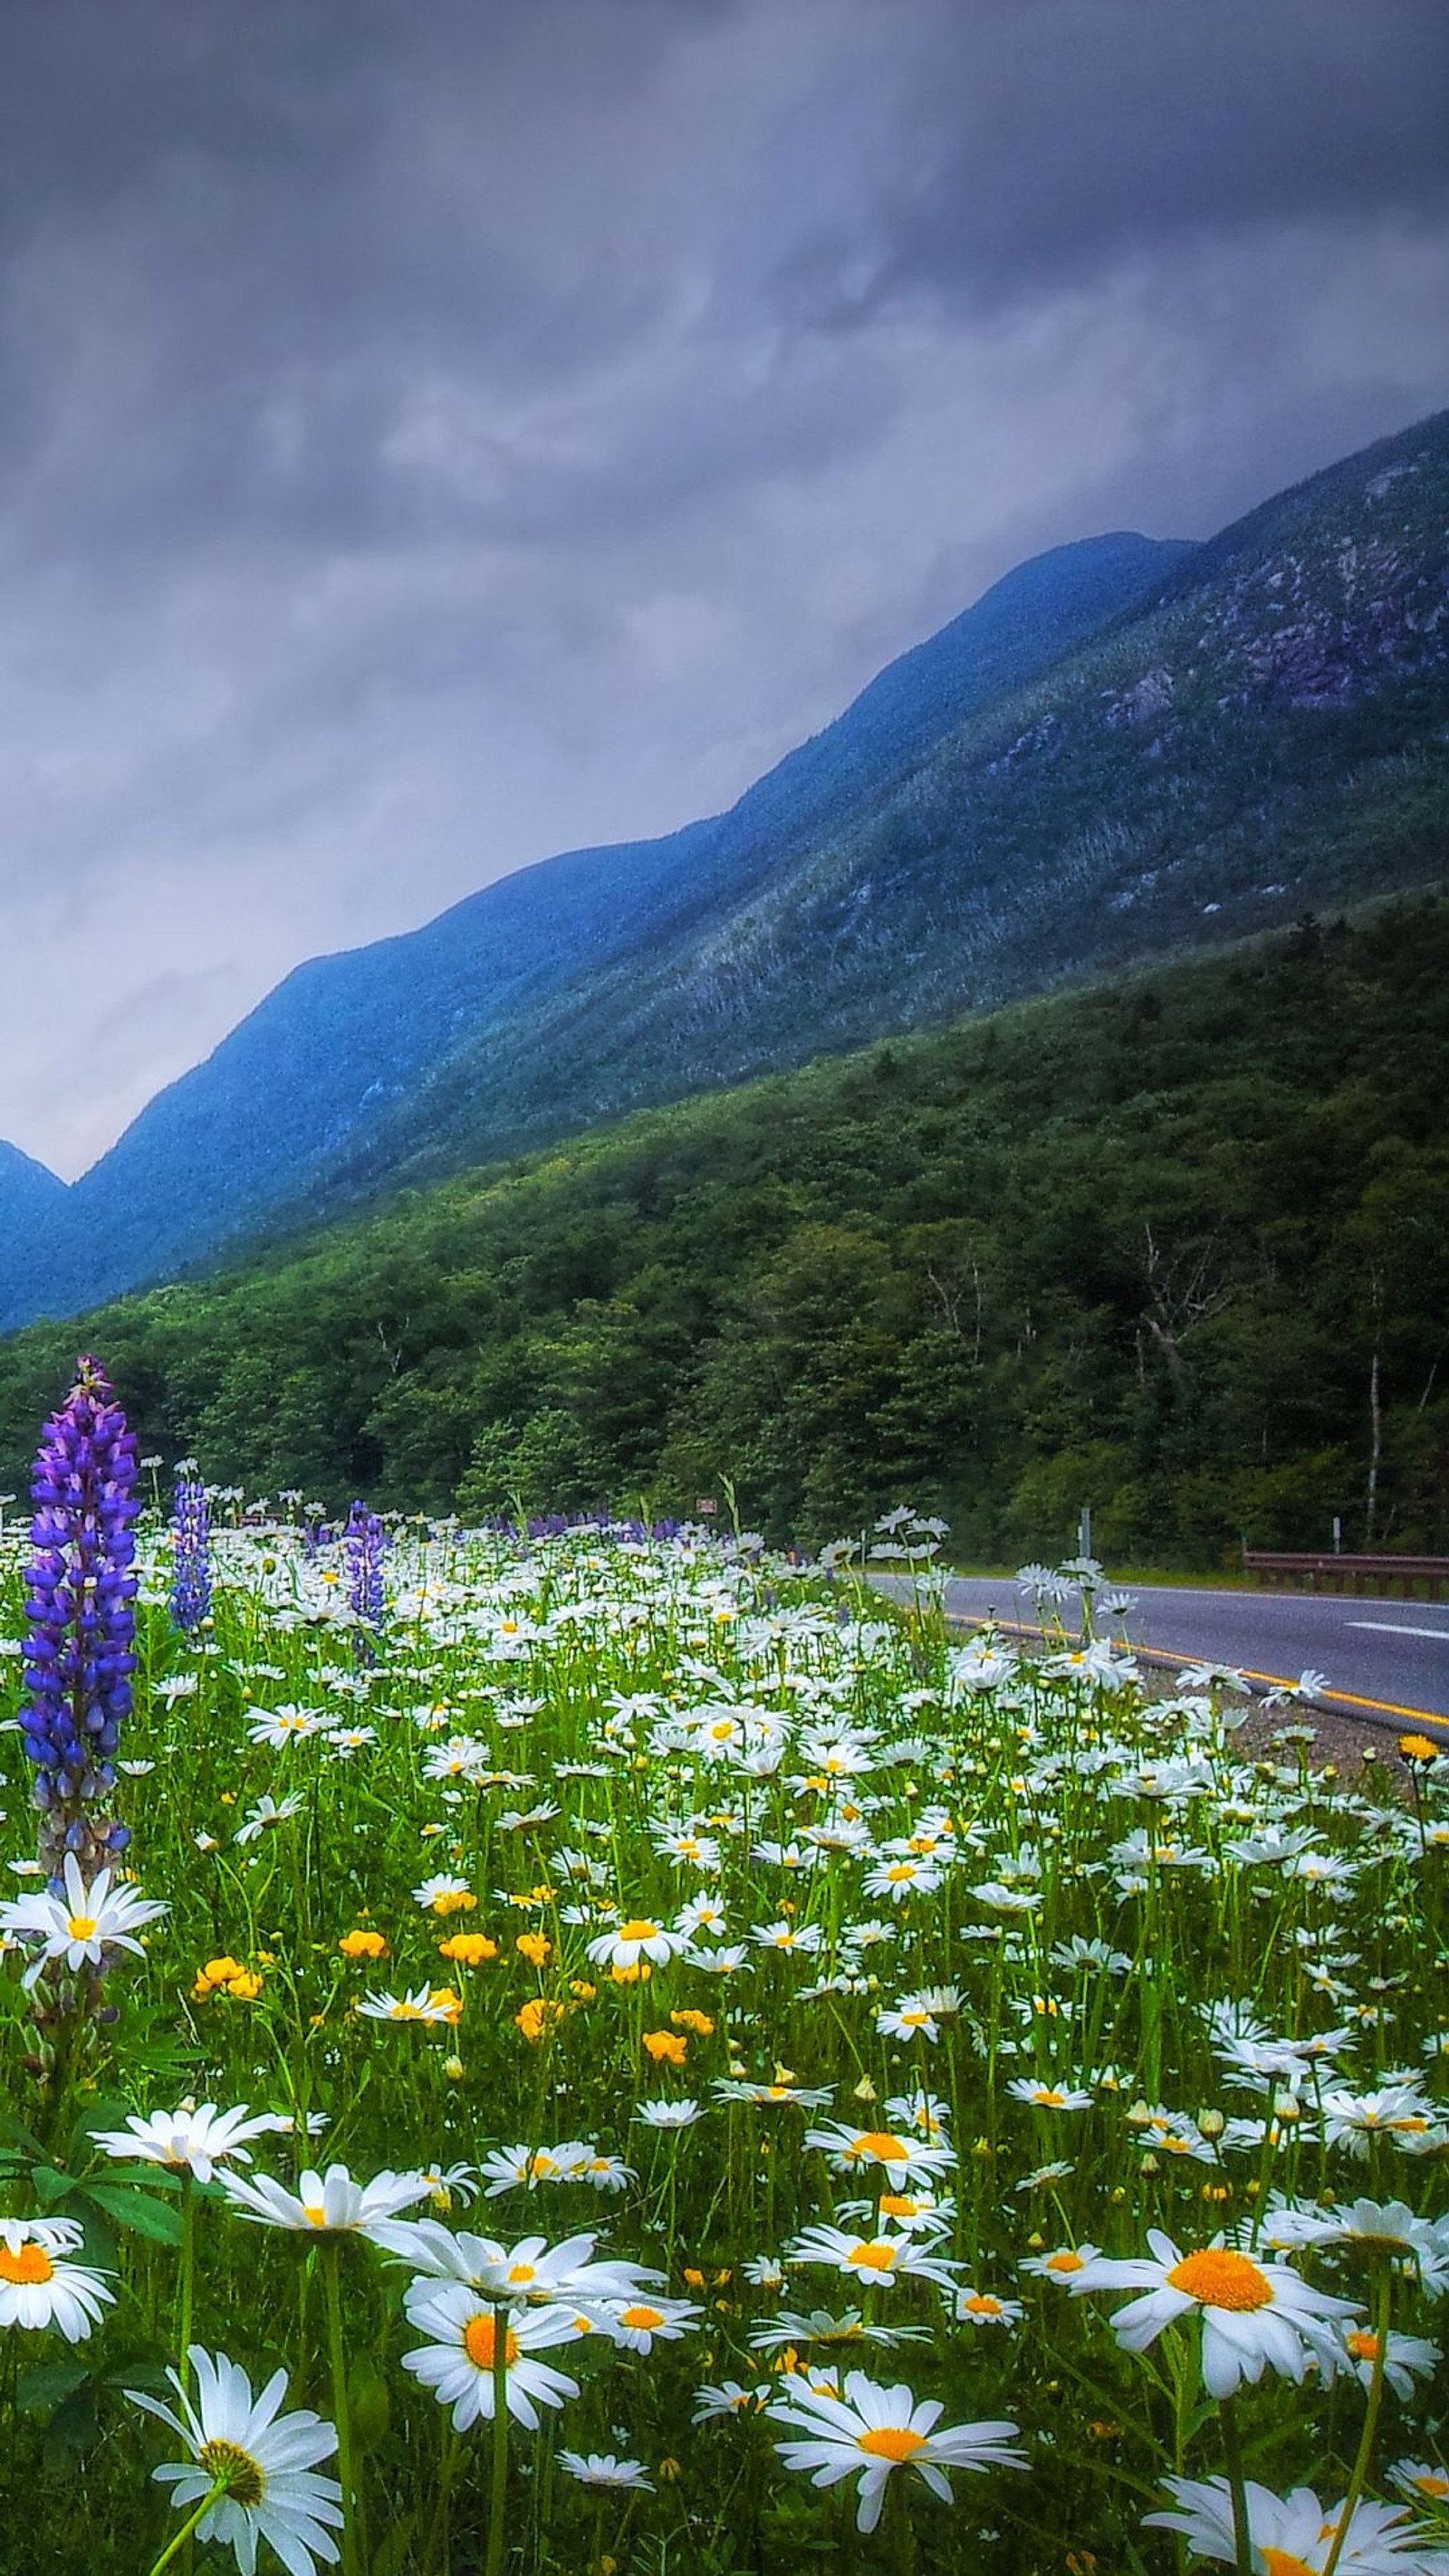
x: 1388, y: 1658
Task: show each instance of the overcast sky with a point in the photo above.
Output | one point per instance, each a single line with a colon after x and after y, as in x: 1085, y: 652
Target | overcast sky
x: 434, y: 433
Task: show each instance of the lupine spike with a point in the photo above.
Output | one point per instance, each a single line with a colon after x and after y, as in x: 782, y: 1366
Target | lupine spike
x: 366, y: 1549
x: 79, y: 1654
x: 191, y: 1545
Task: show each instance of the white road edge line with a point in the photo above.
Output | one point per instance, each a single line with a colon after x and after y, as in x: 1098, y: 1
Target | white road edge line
x: 1397, y: 1628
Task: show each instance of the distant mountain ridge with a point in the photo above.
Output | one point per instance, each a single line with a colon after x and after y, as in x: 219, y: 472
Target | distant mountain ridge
x: 28, y: 1189
x: 1125, y: 747
x: 324, y: 1059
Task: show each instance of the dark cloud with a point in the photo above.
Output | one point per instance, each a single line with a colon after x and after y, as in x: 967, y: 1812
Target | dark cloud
x: 435, y: 432
x: 1044, y: 139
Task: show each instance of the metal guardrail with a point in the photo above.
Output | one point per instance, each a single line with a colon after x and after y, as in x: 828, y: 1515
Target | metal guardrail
x: 1379, y: 1575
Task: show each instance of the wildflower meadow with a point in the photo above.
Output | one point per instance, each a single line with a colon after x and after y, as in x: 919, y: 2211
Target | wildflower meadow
x: 601, y: 2049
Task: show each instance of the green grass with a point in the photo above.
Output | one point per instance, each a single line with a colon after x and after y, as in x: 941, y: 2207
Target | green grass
x: 874, y: 1734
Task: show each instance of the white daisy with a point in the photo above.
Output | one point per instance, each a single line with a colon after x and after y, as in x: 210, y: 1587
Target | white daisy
x: 191, y: 2139
x: 902, y: 2160
x: 420, y: 2005
x: 642, y: 2323
x: 282, y: 1726
x: 82, y: 1923
x: 267, y: 1813
x: 1049, y: 2097
x: 1255, y: 2316
x: 873, y: 2431
x: 331, y: 2204
x: 639, y: 1938
x: 267, y: 2461
x: 1297, y: 2534
x: 457, y: 2361
x: 39, y: 2286
x: 881, y: 2260
x: 595, y: 2469
x: 731, y: 2397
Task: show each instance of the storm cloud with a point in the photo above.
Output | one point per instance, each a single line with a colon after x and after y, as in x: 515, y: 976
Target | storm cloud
x: 435, y: 435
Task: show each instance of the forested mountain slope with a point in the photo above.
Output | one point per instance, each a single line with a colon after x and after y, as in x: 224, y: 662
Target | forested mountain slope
x: 1145, y: 1246
x: 1267, y: 733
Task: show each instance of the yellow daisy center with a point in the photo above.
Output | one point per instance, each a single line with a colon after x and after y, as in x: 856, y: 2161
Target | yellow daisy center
x: 314, y: 2213
x: 1363, y: 2345
x: 1066, y: 2262
x: 29, y: 2265
x: 82, y: 1927
x: 1281, y: 2562
x: 1428, y: 2484
x: 245, y: 2479
x: 636, y: 1929
x: 982, y: 2305
x: 1221, y: 2279
x: 882, y: 2144
x: 643, y: 2319
x: 874, y: 2258
x: 480, y: 2342
x: 890, y: 2442
x: 522, y: 2272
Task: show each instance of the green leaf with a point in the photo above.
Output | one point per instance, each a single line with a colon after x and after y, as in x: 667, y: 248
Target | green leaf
x: 138, y: 2211
x: 73, y: 2428
x: 47, y: 2387
x: 15, y: 2133
x: 105, y: 2112
x: 51, y: 2186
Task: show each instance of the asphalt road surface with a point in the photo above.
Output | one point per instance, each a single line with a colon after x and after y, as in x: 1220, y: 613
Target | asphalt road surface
x: 1386, y: 1659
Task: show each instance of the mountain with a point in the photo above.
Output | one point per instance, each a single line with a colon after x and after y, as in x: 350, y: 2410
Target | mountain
x: 1121, y: 751
x: 1176, y: 1244
x: 34, y: 1205
x: 1266, y: 731
x: 314, y: 1074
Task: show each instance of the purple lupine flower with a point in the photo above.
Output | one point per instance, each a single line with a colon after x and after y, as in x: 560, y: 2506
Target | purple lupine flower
x: 366, y: 1548
x: 191, y: 1549
x: 79, y: 1654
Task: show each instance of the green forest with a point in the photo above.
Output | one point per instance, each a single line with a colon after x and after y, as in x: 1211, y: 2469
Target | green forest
x: 1176, y: 1247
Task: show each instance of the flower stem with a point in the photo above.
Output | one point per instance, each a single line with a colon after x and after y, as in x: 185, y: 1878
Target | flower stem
x: 447, y: 2471
x: 1233, y: 2454
x: 188, y: 2278
x: 903, y: 2538
x: 1359, y: 2479
x: 179, y: 2539
x: 337, y: 2356
x: 498, y: 2485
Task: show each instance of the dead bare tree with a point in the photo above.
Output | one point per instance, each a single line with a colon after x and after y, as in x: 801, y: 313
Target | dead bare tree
x: 1184, y: 1289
